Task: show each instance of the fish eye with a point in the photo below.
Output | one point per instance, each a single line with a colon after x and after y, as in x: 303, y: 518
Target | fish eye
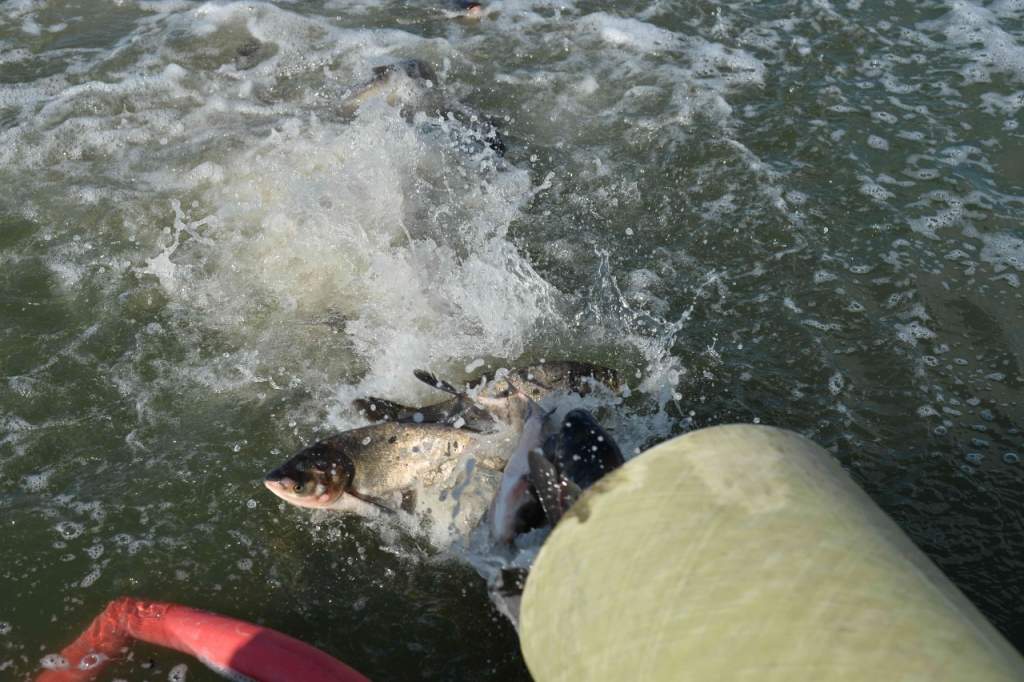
x: 298, y: 487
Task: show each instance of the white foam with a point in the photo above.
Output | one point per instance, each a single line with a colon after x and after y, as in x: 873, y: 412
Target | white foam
x: 1004, y: 251
x: 627, y: 32
x: 54, y: 662
x: 34, y: 483
x: 977, y: 32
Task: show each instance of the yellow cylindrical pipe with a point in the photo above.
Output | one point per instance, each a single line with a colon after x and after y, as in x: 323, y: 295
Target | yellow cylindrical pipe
x: 745, y: 553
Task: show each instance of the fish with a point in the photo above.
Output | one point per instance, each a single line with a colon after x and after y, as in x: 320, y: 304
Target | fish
x: 371, y: 469
x: 515, y: 507
x: 407, y: 82
x: 570, y: 461
x: 412, y: 85
x: 534, y: 381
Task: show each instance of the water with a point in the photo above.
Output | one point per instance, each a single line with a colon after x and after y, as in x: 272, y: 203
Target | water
x: 806, y: 214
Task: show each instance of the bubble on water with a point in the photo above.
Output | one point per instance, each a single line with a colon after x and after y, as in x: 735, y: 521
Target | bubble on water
x: 836, y: 383
x: 974, y: 457
x: 876, y: 142
x: 418, y: 417
x: 1011, y: 458
x: 178, y: 673
x: 54, y: 662
x: 137, y: 546
x: 5, y: 628
x: 251, y: 503
x: 912, y: 332
x: 34, y: 483
x: 90, y: 578
x: 245, y: 564
x: 69, y: 530
x: 95, y: 551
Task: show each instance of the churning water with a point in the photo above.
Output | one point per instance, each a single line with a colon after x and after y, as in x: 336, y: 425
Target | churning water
x: 804, y: 213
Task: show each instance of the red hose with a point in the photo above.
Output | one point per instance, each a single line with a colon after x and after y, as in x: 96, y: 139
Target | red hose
x: 222, y: 643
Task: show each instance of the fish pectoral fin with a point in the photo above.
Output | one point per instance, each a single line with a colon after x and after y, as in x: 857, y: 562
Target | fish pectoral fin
x: 570, y: 493
x: 378, y: 409
x: 370, y: 499
x: 550, y: 486
x: 432, y: 380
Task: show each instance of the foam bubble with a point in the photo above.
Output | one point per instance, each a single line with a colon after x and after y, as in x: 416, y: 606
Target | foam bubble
x: 34, y: 483
x: 69, y: 530
x: 977, y: 32
x: 54, y: 662
x: 90, y: 578
x: 627, y: 32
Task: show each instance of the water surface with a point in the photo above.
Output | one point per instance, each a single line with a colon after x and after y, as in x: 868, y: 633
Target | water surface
x: 806, y: 214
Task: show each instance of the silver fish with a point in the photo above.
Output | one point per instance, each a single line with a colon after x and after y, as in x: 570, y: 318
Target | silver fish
x: 373, y: 467
x: 514, y: 495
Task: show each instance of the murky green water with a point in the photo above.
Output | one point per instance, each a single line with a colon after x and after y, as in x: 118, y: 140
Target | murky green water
x: 808, y: 214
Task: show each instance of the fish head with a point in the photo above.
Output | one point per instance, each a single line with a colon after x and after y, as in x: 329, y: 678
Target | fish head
x: 582, y: 450
x: 317, y: 477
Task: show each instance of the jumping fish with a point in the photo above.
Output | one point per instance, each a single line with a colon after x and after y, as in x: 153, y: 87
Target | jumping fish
x: 534, y: 381
x: 571, y: 460
x: 376, y: 467
x: 514, y: 509
x: 412, y: 85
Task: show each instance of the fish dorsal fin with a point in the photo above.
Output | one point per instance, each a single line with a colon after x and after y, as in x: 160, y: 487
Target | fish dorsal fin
x: 440, y: 384
x: 378, y: 409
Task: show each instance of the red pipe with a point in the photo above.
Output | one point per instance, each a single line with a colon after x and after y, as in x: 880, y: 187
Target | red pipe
x: 222, y: 643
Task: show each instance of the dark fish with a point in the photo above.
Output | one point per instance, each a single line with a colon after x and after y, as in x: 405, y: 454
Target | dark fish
x: 573, y: 459
x: 375, y: 466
